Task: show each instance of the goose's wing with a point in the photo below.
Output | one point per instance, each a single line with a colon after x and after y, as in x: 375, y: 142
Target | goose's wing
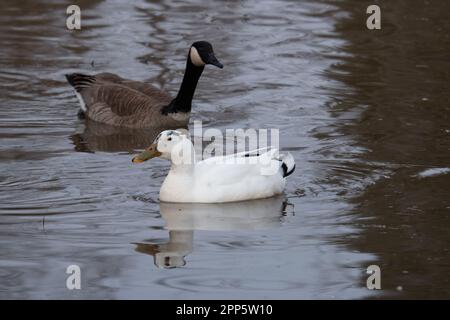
x: 118, y: 105
x: 125, y: 101
x: 106, y: 100
x: 142, y: 87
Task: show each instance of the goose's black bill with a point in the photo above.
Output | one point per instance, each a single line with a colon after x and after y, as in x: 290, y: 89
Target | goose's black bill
x: 213, y: 60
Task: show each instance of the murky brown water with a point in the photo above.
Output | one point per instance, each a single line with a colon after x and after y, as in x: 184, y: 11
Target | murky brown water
x: 365, y: 113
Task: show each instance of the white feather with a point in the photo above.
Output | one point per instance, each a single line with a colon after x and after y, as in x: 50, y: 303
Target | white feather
x: 82, y: 104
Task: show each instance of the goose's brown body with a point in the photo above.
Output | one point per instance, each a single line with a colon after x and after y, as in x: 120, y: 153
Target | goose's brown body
x: 112, y: 100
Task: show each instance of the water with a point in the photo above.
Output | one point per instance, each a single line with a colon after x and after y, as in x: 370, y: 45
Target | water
x: 365, y: 114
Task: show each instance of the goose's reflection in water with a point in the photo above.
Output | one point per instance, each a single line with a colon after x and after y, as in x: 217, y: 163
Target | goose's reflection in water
x: 183, y: 218
x: 92, y: 136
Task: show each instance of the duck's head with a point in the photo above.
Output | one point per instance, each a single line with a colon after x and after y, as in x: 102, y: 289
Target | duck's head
x: 170, y: 144
x: 201, y: 53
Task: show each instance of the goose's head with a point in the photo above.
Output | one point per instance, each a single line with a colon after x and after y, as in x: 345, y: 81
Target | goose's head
x: 201, y: 54
x: 170, y: 144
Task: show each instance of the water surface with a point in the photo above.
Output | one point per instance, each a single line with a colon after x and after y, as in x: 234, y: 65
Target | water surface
x: 365, y: 114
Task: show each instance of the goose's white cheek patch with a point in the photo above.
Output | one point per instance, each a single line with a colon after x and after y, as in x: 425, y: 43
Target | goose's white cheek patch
x: 195, y: 58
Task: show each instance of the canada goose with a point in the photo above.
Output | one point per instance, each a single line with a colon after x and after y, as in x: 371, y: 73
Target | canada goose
x: 110, y: 99
x: 243, y: 176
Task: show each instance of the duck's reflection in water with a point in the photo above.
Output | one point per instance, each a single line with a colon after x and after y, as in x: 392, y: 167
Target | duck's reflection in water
x: 183, y: 218
x: 92, y: 136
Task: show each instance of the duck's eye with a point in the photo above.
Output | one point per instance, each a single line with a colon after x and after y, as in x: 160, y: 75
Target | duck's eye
x: 169, y: 139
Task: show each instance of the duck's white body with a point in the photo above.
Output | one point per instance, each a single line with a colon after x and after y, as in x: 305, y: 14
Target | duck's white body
x: 211, y: 181
x: 238, y: 177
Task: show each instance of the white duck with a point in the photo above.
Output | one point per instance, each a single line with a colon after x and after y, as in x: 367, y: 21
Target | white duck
x: 243, y: 176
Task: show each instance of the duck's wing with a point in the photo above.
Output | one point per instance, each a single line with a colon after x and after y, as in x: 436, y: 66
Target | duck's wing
x: 244, y: 154
x: 229, y: 169
x: 237, y: 166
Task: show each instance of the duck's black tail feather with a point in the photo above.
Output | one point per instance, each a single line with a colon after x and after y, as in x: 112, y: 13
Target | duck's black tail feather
x: 80, y: 81
x: 287, y: 164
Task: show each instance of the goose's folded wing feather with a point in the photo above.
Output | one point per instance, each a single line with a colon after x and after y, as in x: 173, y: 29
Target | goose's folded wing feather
x: 124, y: 101
x: 142, y: 87
x: 121, y: 106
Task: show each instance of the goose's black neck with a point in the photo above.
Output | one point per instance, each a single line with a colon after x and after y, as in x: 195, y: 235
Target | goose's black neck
x: 183, y: 100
